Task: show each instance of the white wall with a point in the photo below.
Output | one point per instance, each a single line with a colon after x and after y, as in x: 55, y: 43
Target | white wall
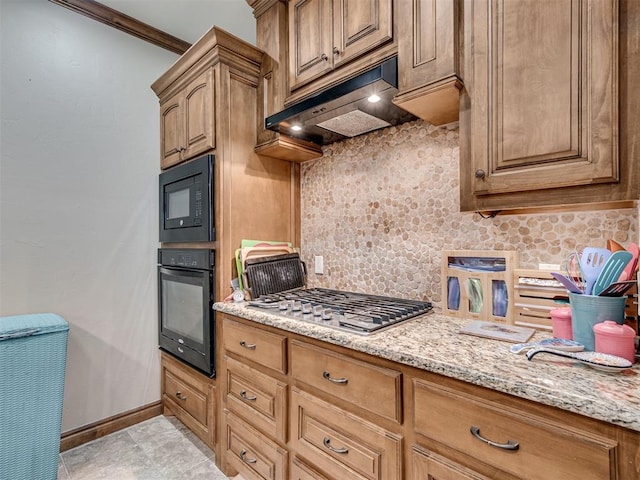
x: 79, y: 143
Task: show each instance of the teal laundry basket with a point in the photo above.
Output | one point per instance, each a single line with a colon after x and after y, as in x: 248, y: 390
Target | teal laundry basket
x: 33, y: 352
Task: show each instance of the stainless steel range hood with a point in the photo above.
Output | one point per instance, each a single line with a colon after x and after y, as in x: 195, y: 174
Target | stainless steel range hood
x: 345, y: 110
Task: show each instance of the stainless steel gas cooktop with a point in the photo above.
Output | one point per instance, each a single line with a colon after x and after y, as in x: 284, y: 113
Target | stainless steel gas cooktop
x: 354, y: 312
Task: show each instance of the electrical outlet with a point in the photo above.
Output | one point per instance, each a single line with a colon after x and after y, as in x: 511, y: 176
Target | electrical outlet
x: 318, y: 264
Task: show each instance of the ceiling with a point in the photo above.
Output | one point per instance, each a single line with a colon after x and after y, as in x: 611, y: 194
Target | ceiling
x: 190, y: 19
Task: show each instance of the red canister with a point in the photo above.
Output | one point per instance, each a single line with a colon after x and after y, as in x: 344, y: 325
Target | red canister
x: 615, y: 339
x: 561, y: 323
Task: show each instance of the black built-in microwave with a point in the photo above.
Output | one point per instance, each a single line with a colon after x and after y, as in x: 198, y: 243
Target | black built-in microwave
x: 186, y: 202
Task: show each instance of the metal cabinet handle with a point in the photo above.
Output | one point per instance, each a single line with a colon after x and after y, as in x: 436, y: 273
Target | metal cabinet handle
x: 480, y: 174
x: 243, y: 394
x: 336, y: 51
x: 324, y: 57
x: 327, y: 376
x: 243, y: 457
x: 250, y: 346
x: 510, y: 445
x: 179, y: 396
x: 327, y: 443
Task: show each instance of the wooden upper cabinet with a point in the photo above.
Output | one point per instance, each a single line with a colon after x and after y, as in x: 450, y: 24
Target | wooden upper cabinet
x: 311, y: 34
x: 540, y: 108
x: 429, y: 59
x: 326, y: 34
x: 187, y: 121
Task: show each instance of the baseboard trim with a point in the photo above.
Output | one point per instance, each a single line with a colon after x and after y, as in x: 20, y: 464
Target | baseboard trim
x: 85, y: 434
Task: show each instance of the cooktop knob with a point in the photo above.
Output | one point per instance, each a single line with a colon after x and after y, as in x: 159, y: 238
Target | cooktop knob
x: 327, y: 314
x: 317, y: 310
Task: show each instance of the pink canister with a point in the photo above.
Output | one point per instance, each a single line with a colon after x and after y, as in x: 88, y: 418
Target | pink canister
x: 561, y: 323
x: 615, y: 339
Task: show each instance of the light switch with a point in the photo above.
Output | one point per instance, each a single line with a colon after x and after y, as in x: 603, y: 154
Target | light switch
x: 318, y: 263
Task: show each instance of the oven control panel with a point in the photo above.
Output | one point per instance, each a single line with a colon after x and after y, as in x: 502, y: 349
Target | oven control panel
x: 196, y: 258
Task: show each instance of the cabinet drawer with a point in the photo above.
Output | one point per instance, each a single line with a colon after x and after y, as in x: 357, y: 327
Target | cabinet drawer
x: 373, y: 388
x: 257, y: 398
x: 192, y: 401
x: 263, y: 348
x: 300, y: 471
x: 545, y: 450
x: 338, y: 442
x: 428, y: 465
x: 252, y: 454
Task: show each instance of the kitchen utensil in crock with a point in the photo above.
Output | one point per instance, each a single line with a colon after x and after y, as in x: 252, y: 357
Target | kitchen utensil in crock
x: 611, y: 270
x: 567, y: 282
x: 592, y: 261
x: 574, y: 270
x: 614, y: 246
x: 615, y: 339
x: 617, y: 289
x: 555, y: 343
x: 630, y: 269
x: 599, y: 361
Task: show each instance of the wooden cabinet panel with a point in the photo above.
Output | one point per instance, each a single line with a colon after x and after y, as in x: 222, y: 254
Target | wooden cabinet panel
x: 251, y: 453
x: 311, y: 38
x: 447, y: 416
x: 251, y: 343
x: 258, y: 398
x: 199, y: 106
x: 542, y: 104
x: 342, y: 444
x: 360, y: 26
x: 190, y: 396
x: 373, y: 388
x: 170, y: 131
x: 429, y: 59
x: 430, y: 466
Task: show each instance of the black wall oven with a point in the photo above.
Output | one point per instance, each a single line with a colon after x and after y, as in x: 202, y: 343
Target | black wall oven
x: 185, y: 299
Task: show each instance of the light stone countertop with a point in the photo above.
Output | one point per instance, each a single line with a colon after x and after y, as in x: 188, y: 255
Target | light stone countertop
x: 432, y: 342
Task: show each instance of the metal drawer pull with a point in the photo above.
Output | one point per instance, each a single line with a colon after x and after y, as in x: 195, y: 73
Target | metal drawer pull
x: 179, y: 396
x: 250, y: 346
x: 510, y: 445
x: 243, y: 456
x: 243, y: 394
x: 327, y: 376
x: 327, y: 443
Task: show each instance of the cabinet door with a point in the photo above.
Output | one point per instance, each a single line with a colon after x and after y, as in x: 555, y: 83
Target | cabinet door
x: 428, y: 59
x: 171, y: 121
x: 542, y: 105
x: 310, y: 40
x: 199, y: 115
x: 360, y: 26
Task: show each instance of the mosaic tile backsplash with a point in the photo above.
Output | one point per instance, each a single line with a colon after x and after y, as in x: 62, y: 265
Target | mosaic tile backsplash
x: 381, y: 207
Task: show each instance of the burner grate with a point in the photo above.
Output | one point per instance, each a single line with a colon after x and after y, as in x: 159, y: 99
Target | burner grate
x: 277, y: 273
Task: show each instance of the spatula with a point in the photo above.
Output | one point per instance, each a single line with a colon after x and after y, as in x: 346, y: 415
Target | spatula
x: 617, y: 289
x: 567, y: 282
x: 592, y: 261
x: 611, y: 270
x: 630, y: 269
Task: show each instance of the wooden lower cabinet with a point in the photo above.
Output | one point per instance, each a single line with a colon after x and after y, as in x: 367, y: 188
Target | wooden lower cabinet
x: 190, y: 396
x: 514, y: 441
x: 291, y: 422
x: 427, y: 465
x: 252, y: 454
x: 342, y: 444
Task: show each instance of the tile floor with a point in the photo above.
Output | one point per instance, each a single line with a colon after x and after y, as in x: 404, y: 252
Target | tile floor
x: 160, y: 448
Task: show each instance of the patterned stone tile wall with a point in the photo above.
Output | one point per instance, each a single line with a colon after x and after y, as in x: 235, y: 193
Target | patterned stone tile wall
x: 381, y: 207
